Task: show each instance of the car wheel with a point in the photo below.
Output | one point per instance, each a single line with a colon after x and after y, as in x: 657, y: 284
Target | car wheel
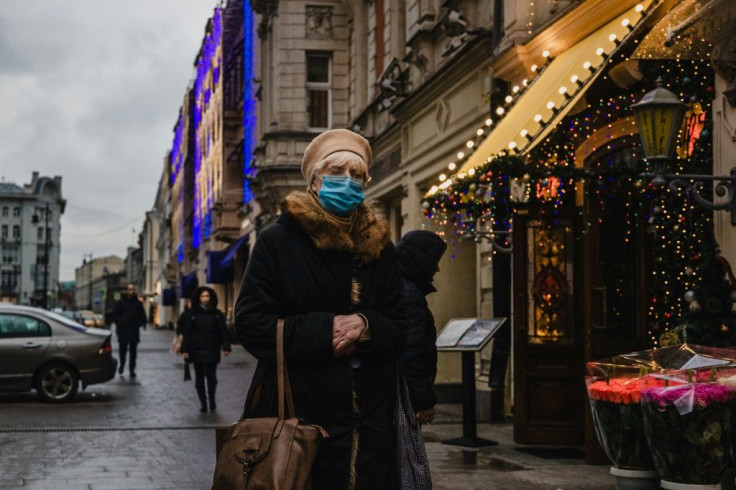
x: 57, y: 382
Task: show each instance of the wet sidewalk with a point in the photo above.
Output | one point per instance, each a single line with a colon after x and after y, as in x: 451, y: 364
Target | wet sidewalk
x: 148, y: 433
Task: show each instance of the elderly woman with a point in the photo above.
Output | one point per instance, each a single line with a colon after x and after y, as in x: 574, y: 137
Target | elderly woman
x: 327, y: 266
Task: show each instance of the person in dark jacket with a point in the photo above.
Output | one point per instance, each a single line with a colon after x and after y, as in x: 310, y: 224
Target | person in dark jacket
x: 204, y: 337
x: 419, y: 253
x: 180, y: 336
x: 328, y: 268
x: 129, y: 317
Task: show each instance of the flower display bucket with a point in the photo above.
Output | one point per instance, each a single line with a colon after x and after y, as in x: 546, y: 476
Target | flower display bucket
x: 618, y: 421
x: 689, y: 432
x: 669, y: 485
x: 635, y: 479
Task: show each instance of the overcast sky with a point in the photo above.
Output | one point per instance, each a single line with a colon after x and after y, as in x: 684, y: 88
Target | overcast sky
x: 90, y: 90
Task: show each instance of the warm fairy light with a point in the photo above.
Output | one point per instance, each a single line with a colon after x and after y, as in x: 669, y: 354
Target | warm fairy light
x: 479, y: 132
x: 587, y: 65
x: 550, y: 105
x: 489, y: 122
x: 500, y: 111
x: 509, y: 99
x: 640, y: 8
x: 600, y: 52
x: 613, y: 38
x: 534, y: 68
x: 512, y: 145
x: 545, y: 53
x: 471, y: 172
x: 446, y: 184
x: 433, y: 190
x: 524, y: 133
x: 563, y: 90
x: 538, y: 118
x: 451, y: 166
x: 515, y: 89
x: 460, y: 155
x: 576, y: 80
x: 525, y: 82
x: 442, y: 177
x: 470, y: 144
x: 626, y: 22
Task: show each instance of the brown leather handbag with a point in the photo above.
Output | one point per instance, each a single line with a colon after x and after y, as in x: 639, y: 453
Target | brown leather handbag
x: 271, y: 452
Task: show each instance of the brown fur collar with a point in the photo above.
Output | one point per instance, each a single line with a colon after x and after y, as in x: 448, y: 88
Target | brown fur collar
x: 367, y: 237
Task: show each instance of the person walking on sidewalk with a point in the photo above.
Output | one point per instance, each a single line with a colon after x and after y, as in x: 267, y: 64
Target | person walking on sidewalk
x: 205, y: 335
x: 419, y: 253
x: 328, y: 268
x: 129, y: 316
x: 180, y: 336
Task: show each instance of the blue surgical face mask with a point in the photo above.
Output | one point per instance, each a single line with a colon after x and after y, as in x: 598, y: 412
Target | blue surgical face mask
x: 340, y: 194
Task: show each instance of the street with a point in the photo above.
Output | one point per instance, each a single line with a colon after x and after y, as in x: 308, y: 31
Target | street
x: 148, y: 433
x: 123, y: 434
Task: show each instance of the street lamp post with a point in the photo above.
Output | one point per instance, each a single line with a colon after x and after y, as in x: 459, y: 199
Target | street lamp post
x: 659, y: 115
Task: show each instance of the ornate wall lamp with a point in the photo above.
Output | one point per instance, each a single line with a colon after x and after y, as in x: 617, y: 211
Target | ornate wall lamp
x: 659, y: 117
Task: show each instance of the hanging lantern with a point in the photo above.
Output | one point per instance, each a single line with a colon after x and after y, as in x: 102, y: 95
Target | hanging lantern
x: 659, y: 116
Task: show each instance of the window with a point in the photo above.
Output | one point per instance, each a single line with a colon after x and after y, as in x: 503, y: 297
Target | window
x: 5, y: 211
x: 40, y: 234
x: 319, y: 96
x: 16, y: 212
x: 19, y: 326
x: 5, y: 231
x: 16, y: 231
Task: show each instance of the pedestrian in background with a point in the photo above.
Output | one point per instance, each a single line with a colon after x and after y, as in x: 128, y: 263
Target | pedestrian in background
x: 419, y: 253
x: 328, y: 268
x: 129, y: 317
x: 204, y: 337
x: 180, y: 337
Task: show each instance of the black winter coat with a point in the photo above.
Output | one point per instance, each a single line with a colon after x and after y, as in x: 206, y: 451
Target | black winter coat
x: 301, y: 269
x: 204, y: 331
x: 129, y: 316
x: 419, y: 253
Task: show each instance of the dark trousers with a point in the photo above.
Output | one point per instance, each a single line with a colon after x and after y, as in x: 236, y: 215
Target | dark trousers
x: 201, y: 371
x: 124, y: 346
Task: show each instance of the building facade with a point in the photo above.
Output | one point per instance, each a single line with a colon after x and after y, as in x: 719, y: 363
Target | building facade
x: 85, y: 276
x: 506, y: 127
x: 30, y: 232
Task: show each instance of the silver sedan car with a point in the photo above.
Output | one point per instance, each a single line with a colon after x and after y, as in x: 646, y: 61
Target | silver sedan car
x: 48, y: 352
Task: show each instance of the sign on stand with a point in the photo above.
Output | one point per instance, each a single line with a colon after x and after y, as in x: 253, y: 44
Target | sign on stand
x: 468, y: 336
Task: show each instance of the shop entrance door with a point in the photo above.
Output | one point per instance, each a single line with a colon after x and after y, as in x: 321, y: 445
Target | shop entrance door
x: 549, y: 395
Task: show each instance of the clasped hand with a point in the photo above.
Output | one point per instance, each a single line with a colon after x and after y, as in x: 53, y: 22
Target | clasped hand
x: 346, y: 330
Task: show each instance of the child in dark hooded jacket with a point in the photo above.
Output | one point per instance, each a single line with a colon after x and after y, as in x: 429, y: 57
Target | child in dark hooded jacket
x: 419, y: 253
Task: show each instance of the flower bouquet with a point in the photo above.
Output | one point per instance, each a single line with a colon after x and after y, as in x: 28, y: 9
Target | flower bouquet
x: 616, y: 387
x: 689, y: 430
x: 618, y: 420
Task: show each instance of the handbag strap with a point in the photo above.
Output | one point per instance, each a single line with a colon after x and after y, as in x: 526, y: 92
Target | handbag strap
x: 284, y: 385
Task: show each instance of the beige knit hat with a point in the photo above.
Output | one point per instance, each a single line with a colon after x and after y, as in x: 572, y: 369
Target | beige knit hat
x: 333, y: 141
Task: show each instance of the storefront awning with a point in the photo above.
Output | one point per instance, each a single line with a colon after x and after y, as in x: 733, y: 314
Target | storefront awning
x: 555, y: 91
x: 168, y: 296
x: 689, y: 30
x: 188, y: 284
x: 232, y: 250
x: 220, y: 264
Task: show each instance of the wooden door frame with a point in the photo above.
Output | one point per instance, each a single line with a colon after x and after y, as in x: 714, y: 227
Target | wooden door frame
x: 523, y: 433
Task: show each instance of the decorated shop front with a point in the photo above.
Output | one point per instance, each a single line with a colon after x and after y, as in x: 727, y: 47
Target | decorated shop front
x: 605, y: 261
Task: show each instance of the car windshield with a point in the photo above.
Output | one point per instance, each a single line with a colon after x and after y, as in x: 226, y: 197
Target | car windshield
x: 66, y: 321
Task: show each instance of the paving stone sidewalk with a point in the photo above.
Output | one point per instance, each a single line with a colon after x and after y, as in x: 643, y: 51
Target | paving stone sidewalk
x: 148, y: 433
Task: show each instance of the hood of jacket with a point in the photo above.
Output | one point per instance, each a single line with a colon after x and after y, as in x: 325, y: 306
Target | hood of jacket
x: 196, y: 306
x: 366, y: 237
x: 418, y: 253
